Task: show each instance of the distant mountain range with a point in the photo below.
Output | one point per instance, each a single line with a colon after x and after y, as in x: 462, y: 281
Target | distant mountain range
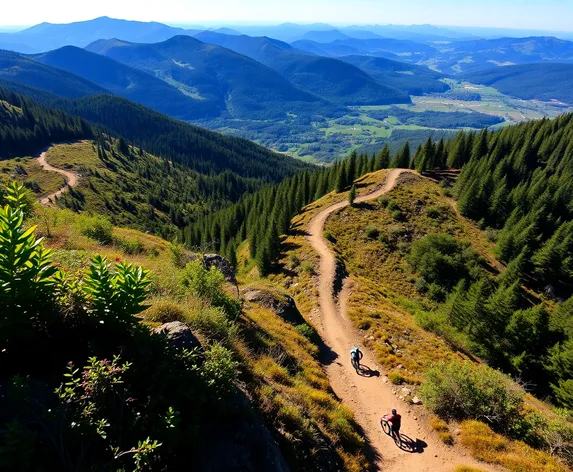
x: 335, y: 80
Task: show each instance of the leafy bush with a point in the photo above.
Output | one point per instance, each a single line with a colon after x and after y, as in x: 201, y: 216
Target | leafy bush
x: 440, y: 259
x: 392, y: 205
x: 329, y: 237
x: 434, y: 212
x: 294, y: 261
x: 462, y: 391
x: 208, y: 285
x: 307, y: 268
x: 219, y: 369
x: 383, y: 201
x: 307, y: 331
x: 97, y: 228
x: 397, y: 215
x: 371, y: 232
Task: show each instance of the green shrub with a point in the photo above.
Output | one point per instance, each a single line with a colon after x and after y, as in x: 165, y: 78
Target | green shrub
x: 307, y: 331
x: 434, y: 212
x: 392, y: 205
x: 97, y: 228
x: 397, y: 215
x: 178, y: 254
x: 437, y: 293
x: 208, y: 285
x: 220, y: 370
x: 307, y: 268
x: 383, y: 201
x: 294, y: 261
x: 461, y: 391
x: 329, y: 237
x: 440, y: 259
x: 371, y: 232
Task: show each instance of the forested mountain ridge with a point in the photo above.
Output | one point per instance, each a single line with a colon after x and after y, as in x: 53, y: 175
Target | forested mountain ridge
x: 529, y: 81
x: 18, y: 68
x: 229, y: 82
x: 197, y: 148
x: 126, y: 82
x: 329, y: 78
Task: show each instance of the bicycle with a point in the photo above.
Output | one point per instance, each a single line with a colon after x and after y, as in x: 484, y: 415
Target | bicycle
x: 387, y: 428
x: 355, y: 363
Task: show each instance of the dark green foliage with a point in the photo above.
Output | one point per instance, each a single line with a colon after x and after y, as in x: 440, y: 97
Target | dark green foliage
x: 437, y: 119
x: 83, y: 382
x: 443, y: 260
x: 352, y: 195
x: 402, y: 159
x: 29, y: 129
x: 265, y: 215
x: 382, y: 159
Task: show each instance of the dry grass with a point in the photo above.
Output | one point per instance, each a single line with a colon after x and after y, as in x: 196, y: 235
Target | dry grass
x: 467, y: 468
x: 279, y: 366
x: 516, y: 456
x: 443, y: 430
x: 47, y: 182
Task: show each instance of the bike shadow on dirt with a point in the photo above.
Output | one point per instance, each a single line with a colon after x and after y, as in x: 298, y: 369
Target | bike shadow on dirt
x: 407, y: 444
x: 366, y: 371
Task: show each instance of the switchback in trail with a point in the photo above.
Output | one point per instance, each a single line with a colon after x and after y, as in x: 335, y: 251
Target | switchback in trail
x: 71, y: 179
x: 370, y: 396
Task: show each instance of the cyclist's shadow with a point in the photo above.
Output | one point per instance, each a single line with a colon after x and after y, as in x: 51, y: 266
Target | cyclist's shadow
x: 366, y: 371
x: 407, y: 444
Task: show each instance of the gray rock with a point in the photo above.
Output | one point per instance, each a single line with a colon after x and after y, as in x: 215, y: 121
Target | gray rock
x: 222, y: 264
x: 281, y: 303
x: 179, y: 335
x: 416, y: 401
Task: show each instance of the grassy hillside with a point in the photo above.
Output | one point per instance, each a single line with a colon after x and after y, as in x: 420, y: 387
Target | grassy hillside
x: 226, y: 80
x: 373, y: 242
x: 530, y: 82
x: 127, y: 82
x: 255, y: 383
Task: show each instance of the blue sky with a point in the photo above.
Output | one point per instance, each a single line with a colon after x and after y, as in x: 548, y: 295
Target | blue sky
x: 530, y: 14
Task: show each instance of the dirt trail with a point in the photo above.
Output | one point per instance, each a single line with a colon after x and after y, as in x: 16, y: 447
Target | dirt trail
x: 71, y: 179
x: 371, y: 397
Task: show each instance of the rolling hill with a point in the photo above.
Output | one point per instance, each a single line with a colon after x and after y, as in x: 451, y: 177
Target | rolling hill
x: 530, y: 81
x: 127, y: 82
x: 233, y: 83
x: 48, y: 36
x: 332, y: 79
x: 324, y: 36
x: 412, y: 79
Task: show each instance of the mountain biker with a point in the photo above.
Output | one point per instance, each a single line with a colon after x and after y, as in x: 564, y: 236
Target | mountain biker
x: 355, y: 357
x: 395, y: 421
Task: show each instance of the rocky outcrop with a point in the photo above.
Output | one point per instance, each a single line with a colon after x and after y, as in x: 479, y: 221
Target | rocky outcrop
x: 179, y: 335
x: 210, y: 260
x: 280, y: 303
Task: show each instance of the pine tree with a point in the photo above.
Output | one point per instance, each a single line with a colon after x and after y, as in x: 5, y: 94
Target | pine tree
x: 402, y: 159
x: 383, y: 158
x: 341, y: 179
x: 352, y: 168
x: 352, y: 195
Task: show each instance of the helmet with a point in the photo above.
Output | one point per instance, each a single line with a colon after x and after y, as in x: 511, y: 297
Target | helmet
x: 394, y: 412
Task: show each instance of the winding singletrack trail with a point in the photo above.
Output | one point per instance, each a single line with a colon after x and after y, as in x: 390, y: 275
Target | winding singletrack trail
x: 71, y: 179
x: 370, y: 397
